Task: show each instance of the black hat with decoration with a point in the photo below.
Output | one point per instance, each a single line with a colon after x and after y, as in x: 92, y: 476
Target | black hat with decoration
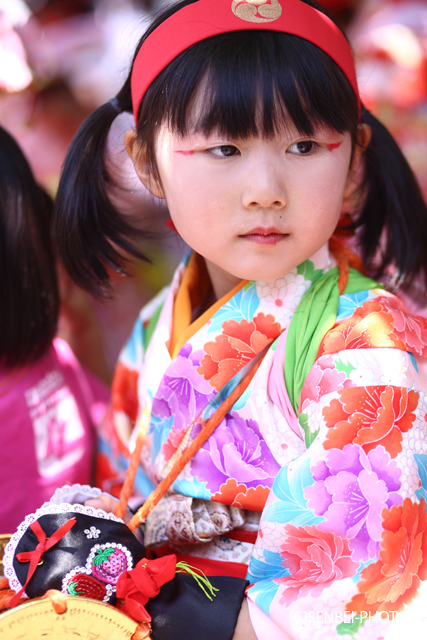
x: 76, y: 549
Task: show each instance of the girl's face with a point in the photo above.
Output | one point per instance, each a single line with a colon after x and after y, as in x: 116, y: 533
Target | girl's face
x: 255, y: 208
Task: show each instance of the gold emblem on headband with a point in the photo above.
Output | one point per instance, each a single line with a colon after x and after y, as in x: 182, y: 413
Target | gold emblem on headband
x: 257, y: 10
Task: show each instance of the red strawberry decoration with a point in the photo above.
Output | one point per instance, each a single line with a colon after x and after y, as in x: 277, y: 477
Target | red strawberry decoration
x: 84, y: 585
x: 108, y: 564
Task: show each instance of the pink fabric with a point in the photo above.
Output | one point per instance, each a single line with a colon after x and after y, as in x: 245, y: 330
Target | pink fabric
x: 48, y: 414
x: 277, y: 387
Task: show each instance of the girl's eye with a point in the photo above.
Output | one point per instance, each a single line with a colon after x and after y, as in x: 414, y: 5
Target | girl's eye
x: 224, y: 151
x: 302, y: 148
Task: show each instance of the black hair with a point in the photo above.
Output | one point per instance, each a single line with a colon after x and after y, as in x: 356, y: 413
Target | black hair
x: 30, y: 298
x: 288, y: 79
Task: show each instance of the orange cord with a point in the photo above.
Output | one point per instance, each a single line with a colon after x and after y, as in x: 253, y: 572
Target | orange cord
x: 345, y: 259
x: 126, y: 490
x: 208, y: 427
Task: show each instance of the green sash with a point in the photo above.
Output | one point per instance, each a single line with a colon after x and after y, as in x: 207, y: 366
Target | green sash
x: 315, y: 315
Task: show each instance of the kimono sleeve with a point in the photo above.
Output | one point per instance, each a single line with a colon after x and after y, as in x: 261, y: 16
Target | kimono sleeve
x: 342, y: 545
x: 116, y: 433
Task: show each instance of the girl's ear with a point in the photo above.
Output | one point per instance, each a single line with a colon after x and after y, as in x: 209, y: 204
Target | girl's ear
x: 138, y: 154
x: 364, y: 135
x: 355, y: 174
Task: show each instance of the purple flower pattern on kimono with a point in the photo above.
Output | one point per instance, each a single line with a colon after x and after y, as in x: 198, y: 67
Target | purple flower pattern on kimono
x: 181, y: 397
x: 182, y: 393
x: 350, y: 491
x: 235, y: 450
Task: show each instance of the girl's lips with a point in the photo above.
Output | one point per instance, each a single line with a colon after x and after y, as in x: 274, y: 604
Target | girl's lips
x: 264, y: 236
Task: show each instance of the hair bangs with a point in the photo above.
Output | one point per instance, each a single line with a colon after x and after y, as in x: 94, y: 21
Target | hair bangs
x: 255, y: 83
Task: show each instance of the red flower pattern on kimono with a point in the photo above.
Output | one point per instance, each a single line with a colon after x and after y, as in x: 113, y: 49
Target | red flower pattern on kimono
x: 235, y: 347
x: 410, y: 330
x: 379, y: 323
x: 393, y: 581
x: 370, y: 326
x: 370, y: 416
x: 238, y: 495
x: 124, y: 392
x: 315, y: 559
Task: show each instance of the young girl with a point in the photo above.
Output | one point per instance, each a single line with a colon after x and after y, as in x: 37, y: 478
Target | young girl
x: 48, y: 403
x: 248, y: 121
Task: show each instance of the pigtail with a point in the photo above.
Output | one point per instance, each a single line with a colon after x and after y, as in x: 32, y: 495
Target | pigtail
x: 92, y: 236
x: 28, y: 283
x: 394, y: 215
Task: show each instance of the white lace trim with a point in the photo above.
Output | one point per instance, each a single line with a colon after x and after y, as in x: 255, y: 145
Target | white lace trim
x: 75, y: 493
x: 46, y: 509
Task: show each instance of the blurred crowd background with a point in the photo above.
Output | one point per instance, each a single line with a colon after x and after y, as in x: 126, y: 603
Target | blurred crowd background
x: 60, y: 59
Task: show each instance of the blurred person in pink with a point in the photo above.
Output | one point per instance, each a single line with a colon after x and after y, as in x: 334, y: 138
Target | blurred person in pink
x: 49, y: 404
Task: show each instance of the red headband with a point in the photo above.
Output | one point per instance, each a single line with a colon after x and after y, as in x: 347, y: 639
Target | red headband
x: 207, y: 18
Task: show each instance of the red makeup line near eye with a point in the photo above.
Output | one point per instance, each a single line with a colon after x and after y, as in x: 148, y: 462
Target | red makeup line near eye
x: 333, y: 145
x: 330, y: 147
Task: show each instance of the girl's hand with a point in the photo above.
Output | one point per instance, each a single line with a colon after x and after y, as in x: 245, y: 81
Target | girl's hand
x: 104, y: 501
x: 244, y: 629
x: 107, y: 503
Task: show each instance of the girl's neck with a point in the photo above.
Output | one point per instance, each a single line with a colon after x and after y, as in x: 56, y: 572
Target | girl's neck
x: 206, y: 304
x: 222, y: 282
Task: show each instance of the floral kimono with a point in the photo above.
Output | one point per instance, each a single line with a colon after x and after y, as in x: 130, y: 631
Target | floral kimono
x: 314, y: 484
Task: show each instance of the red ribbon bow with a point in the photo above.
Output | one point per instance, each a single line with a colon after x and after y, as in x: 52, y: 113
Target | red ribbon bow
x: 136, y: 587
x: 34, y: 557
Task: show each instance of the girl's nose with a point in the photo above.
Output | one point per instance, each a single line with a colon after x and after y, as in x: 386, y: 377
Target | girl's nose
x: 264, y: 188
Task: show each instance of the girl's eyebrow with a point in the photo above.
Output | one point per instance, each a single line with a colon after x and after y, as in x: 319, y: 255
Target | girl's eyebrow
x: 333, y: 145
x: 185, y: 153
